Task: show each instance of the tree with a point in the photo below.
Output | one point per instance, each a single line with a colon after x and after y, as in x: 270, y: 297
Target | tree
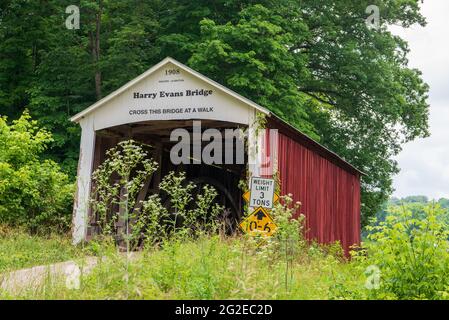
x: 33, y: 191
x: 318, y: 65
x: 22, y: 38
x: 70, y: 69
x: 416, y: 199
x: 315, y: 63
x: 444, y: 203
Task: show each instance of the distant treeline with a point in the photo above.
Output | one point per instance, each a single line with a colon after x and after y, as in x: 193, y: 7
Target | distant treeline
x: 443, y: 202
x: 416, y: 204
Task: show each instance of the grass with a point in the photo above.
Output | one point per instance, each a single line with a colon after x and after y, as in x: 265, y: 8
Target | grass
x: 394, y: 263
x: 19, y: 249
x: 211, y: 268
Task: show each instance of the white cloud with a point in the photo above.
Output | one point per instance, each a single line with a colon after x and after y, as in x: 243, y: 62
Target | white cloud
x: 424, y: 163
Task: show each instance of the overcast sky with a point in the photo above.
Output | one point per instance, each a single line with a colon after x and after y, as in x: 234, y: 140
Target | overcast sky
x: 424, y: 163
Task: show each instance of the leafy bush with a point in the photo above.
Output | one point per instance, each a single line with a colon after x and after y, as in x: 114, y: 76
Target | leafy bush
x: 185, y: 219
x: 34, y: 192
x: 120, y: 178
x: 289, y: 226
x: 412, y: 253
x: 117, y: 182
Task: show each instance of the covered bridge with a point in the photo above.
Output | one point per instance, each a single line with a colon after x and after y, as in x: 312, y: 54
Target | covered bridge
x: 171, y: 95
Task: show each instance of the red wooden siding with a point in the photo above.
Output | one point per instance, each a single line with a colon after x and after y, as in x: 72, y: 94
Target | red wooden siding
x: 330, y: 195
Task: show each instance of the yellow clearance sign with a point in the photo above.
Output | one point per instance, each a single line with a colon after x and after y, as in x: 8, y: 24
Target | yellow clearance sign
x: 259, y: 222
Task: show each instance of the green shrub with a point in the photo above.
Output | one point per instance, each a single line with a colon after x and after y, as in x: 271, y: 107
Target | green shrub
x: 190, y: 216
x: 34, y: 192
x: 290, y: 227
x: 412, y: 253
x: 118, y: 181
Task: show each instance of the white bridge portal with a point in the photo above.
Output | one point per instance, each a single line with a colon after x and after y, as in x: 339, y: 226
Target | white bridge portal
x: 170, y: 95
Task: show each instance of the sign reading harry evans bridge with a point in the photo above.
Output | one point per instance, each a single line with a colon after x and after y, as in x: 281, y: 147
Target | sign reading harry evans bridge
x: 172, y: 93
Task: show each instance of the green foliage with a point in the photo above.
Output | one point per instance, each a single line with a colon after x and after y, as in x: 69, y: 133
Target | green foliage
x: 19, y: 249
x: 258, y: 62
x: 410, y: 249
x: 33, y: 191
x: 444, y: 203
x: 180, y: 196
x: 52, y: 70
x: 148, y: 223
x: 314, y: 63
x: 188, y: 216
x: 416, y: 204
x: 412, y: 253
x: 188, y: 219
x: 319, y: 67
x: 118, y: 181
x: 290, y: 223
x: 207, y: 267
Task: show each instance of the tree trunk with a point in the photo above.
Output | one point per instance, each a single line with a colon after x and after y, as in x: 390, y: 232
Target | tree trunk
x: 94, y: 41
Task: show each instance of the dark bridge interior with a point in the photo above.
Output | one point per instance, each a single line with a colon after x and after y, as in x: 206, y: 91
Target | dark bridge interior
x: 154, y: 136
